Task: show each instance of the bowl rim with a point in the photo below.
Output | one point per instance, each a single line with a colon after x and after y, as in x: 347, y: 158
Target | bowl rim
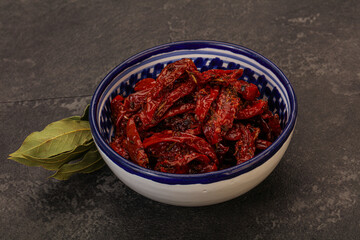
x: 203, y: 178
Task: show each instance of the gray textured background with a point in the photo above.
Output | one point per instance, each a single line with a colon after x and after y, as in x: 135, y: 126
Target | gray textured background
x: 54, y: 53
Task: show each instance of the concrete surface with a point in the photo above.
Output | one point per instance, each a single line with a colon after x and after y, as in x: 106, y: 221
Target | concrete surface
x: 54, y: 53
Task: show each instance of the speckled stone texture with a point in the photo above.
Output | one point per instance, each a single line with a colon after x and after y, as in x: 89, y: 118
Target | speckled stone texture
x: 54, y: 53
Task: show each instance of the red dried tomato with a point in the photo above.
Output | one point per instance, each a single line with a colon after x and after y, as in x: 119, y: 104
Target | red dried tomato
x: 185, y: 121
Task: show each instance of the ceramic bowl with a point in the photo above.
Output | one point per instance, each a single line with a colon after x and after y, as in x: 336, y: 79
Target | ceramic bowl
x: 195, y: 189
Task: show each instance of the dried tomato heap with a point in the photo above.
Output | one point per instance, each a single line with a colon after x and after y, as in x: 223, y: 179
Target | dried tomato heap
x: 186, y: 121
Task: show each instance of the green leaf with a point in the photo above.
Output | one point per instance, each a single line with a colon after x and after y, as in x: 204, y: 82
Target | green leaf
x: 56, y: 162
x: 65, y: 146
x: 91, y: 162
x: 74, y: 118
x: 56, y: 138
x: 98, y: 165
x: 62, y: 156
x: 85, y: 116
x: 25, y: 161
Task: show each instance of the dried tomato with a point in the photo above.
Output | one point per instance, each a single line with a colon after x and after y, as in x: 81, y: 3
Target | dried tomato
x: 145, y: 84
x: 222, y: 119
x: 185, y: 121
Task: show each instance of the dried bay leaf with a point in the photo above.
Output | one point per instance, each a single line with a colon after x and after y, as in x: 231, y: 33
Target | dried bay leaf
x: 65, y: 146
x: 98, y: 165
x: 91, y: 162
x: 25, y: 161
x: 56, y: 138
x: 62, y: 156
x: 75, y: 118
x: 56, y: 162
x: 85, y: 116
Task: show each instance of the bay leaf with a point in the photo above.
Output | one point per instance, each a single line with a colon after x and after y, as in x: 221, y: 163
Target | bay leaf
x: 25, y: 161
x: 55, y: 163
x: 94, y: 167
x: 75, y: 118
x: 62, y: 156
x: 56, y: 138
x: 85, y: 116
x: 91, y: 161
x: 65, y: 146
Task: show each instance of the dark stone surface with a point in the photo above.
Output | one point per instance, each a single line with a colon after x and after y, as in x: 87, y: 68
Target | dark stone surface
x: 53, y: 55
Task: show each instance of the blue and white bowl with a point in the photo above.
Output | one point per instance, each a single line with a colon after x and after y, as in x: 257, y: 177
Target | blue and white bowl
x: 196, y: 189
